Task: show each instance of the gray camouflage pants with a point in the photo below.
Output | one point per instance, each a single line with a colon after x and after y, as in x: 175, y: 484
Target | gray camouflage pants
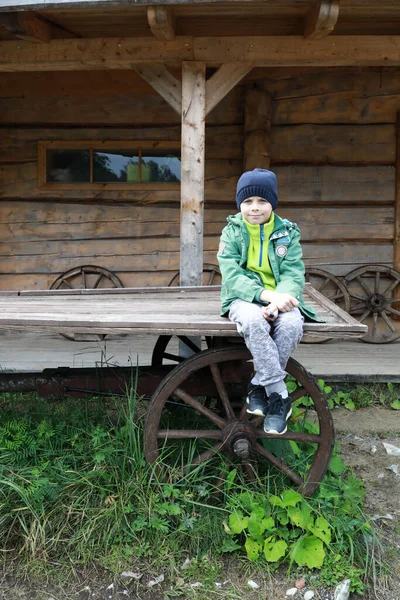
x: 270, y: 344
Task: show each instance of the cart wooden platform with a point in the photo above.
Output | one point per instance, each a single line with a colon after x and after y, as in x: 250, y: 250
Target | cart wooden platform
x: 212, y: 382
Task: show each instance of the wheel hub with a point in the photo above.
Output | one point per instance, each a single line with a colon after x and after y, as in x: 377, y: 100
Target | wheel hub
x: 376, y: 302
x: 238, y: 439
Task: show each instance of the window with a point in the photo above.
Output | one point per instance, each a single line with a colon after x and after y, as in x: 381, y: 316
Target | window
x: 109, y: 165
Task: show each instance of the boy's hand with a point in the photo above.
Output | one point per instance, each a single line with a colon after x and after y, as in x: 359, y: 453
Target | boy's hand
x: 284, y: 302
x: 270, y: 312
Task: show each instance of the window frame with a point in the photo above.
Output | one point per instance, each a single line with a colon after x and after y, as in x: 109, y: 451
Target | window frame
x: 101, y: 146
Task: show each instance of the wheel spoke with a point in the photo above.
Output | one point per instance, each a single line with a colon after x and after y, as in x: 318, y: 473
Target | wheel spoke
x: 67, y: 283
x: 206, y: 412
x: 377, y: 282
x: 173, y: 357
x: 96, y: 283
x: 250, y: 472
x: 211, y: 277
x: 84, y: 283
x: 188, y: 342
x: 374, y: 323
x: 391, y: 287
x: 388, y: 322
x: 186, y: 434
x: 364, y: 316
x: 357, y: 297
x: 336, y: 296
x: 298, y: 393
x: 216, y: 373
x: 392, y: 300
x: 295, y: 436
x: 393, y: 311
x: 206, y: 454
x: 323, y: 285
x: 363, y: 285
x: 279, y: 464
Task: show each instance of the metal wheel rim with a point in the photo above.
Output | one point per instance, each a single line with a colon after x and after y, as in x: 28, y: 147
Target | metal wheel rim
x: 363, y: 302
x: 212, y: 271
x: 207, y: 358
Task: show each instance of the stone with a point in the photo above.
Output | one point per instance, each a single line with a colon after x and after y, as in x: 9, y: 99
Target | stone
x: 392, y: 450
x: 291, y: 592
x: 156, y: 581
x: 300, y: 583
x: 342, y: 590
x: 308, y: 595
x: 252, y: 584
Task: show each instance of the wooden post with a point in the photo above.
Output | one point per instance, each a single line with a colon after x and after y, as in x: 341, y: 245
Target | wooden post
x: 396, y: 238
x: 192, y: 172
x: 257, y: 123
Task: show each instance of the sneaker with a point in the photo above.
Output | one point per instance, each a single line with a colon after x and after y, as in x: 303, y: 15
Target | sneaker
x: 279, y: 411
x: 257, y: 400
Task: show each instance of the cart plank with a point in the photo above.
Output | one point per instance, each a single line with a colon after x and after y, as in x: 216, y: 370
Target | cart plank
x: 175, y: 311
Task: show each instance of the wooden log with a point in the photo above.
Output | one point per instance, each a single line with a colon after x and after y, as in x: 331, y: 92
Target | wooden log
x: 396, y: 241
x: 257, y: 124
x: 330, y: 144
x: 192, y: 172
x: 321, y: 19
x: 162, y: 22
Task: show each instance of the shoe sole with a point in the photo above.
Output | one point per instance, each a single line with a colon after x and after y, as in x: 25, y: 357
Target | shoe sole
x: 256, y: 412
x: 273, y: 431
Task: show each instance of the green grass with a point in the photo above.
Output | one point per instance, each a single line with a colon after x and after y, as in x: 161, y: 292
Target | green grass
x: 75, y: 490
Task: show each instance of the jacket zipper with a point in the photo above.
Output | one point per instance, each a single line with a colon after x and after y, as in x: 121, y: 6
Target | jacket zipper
x: 261, y: 245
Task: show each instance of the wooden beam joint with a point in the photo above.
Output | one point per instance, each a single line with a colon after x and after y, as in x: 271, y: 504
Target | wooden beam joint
x: 27, y: 26
x: 321, y: 19
x: 162, y: 22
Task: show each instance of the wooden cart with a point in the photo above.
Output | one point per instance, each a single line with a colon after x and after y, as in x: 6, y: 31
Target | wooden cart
x: 212, y: 381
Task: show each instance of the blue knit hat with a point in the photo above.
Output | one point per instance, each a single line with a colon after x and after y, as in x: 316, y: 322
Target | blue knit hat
x: 258, y: 182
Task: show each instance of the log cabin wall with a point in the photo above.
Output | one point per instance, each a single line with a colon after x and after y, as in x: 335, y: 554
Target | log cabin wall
x: 332, y: 147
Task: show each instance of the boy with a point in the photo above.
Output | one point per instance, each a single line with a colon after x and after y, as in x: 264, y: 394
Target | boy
x: 260, y: 258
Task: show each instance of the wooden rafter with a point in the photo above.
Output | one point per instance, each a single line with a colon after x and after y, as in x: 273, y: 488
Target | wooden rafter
x: 162, y: 22
x: 221, y: 83
x: 274, y: 51
x: 164, y: 83
x: 321, y: 19
x: 31, y: 27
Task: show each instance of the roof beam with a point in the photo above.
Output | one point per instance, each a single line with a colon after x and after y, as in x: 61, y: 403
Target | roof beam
x: 27, y: 26
x: 321, y: 19
x: 7, y: 5
x: 32, y: 27
x: 162, y: 22
x: 126, y: 53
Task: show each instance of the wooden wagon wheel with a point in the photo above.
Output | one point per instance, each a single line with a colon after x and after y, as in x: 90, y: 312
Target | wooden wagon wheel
x: 211, y: 276
x: 331, y: 287
x: 86, y: 277
x: 234, y: 433
x: 372, y: 296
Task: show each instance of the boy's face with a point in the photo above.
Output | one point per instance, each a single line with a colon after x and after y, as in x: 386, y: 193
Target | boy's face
x: 256, y: 210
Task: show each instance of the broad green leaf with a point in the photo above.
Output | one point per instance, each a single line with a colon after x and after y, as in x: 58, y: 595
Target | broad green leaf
x: 337, y: 465
x: 309, y: 551
x: 282, y: 517
x: 276, y: 501
x: 274, y: 549
x: 295, y: 448
x: 291, y: 498
x: 322, y: 530
x: 349, y: 404
x: 301, y: 516
x: 237, y: 522
x: 253, y: 548
x: 268, y: 523
x: 258, y: 512
x: 255, y: 526
x: 230, y: 546
x: 395, y: 404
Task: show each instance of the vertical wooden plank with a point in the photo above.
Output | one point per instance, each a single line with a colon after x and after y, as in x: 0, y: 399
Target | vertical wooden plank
x: 257, y: 123
x: 396, y: 238
x: 192, y: 172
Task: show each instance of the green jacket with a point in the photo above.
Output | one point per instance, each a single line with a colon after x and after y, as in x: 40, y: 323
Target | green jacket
x: 285, y: 256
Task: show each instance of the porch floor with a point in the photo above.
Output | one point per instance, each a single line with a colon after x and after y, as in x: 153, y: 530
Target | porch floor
x: 337, y: 360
